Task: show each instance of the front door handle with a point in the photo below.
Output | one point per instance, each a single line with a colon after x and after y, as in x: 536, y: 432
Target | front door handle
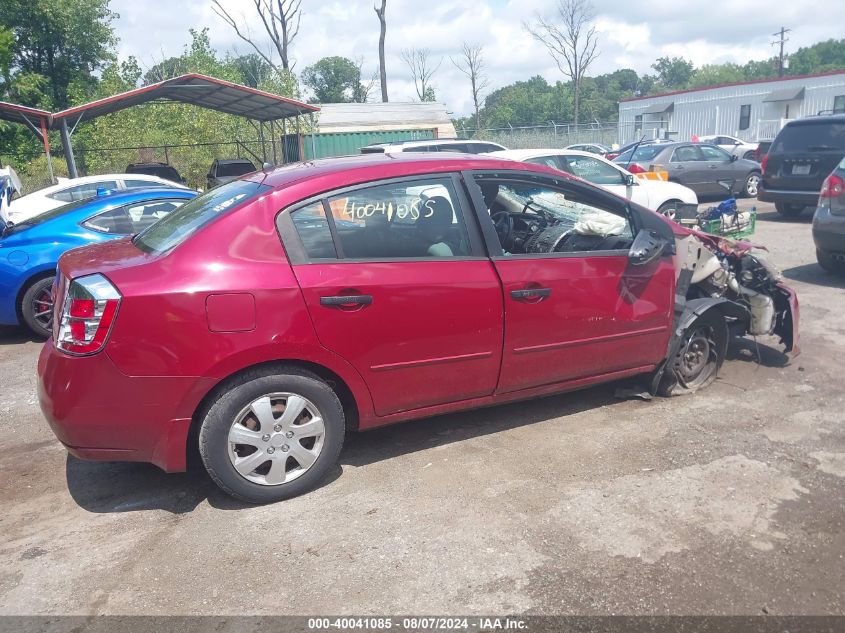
x: 341, y: 301
x: 530, y: 293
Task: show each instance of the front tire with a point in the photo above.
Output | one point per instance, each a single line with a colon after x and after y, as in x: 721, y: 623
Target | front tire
x: 668, y: 209
x: 272, y: 436
x: 752, y: 185
x: 789, y: 210
x: 699, y: 357
x: 36, y: 307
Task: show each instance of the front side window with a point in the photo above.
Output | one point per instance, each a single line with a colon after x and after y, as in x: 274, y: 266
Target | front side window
x: 196, y: 213
x: 538, y: 217
x: 714, y: 153
x: 594, y: 171
x: 410, y: 219
x: 744, y: 117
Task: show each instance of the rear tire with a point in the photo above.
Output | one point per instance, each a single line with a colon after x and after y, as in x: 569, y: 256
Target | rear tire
x: 789, y: 210
x: 37, y: 307
x: 297, y: 453
x: 829, y: 264
x: 749, y: 156
x: 668, y: 209
x: 699, y: 357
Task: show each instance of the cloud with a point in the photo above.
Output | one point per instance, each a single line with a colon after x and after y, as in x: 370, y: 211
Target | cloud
x: 631, y: 35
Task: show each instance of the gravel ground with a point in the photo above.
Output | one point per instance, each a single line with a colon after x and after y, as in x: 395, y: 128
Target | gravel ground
x: 729, y: 501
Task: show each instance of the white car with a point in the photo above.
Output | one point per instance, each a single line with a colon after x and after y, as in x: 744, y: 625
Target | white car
x: 732, y: 145
x: 72, y: 189
x: 658, y: 195
x: 462, y: 146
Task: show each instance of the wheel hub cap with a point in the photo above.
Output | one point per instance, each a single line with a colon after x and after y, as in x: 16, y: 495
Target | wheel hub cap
x: 276, y: 438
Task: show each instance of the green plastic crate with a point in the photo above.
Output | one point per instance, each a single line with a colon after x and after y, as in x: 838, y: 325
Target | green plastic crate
x: 714, y: 227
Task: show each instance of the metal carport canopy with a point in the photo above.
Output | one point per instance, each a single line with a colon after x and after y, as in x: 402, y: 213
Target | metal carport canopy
x: 36, y: 120
x: 193, y: 89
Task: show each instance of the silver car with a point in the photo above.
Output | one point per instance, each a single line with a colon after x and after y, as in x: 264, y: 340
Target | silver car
x: 706, y: 169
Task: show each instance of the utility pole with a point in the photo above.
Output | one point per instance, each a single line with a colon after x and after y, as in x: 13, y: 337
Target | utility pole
x: 781, y: 35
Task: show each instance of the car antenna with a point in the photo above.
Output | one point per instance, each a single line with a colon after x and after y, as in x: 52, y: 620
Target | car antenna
x: 634, y: 149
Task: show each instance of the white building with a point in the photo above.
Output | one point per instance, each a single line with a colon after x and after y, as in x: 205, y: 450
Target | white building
x: 752, y: 110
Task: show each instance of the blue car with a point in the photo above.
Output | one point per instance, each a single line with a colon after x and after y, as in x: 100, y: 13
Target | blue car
x: 30, y: 250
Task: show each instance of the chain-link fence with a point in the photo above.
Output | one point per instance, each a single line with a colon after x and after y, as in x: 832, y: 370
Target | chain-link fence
x: 551, y: 135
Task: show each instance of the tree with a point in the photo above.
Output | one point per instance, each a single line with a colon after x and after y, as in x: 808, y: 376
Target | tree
x: 254, y: 70
x: 382, y: 69
x: 673, y: 73
x: 422, y: 70
x: 333, y: 80
x: 165, y: 69
x: 281, y: 22
x: 58, y: 44
x: 716, y: 74
x: 571, y: 40
x: 471, y: 64
x: 363, y: 89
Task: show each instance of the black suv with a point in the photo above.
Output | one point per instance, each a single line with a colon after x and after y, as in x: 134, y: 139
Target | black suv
x: 162, y: 170
x: 226, y: 170
x: 800, y: 158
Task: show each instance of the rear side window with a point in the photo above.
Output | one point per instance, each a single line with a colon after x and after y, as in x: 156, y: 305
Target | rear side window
x: 83, y: 192
x: 132, y: 218
x: 810, y: 137
x: 190, y: 217
x: 594, y: 171
x: 411, y: 219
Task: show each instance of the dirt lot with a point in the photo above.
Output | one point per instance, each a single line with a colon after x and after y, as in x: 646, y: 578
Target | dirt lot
x: 731, y: 501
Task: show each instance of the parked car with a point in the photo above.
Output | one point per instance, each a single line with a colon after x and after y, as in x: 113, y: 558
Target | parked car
x: 829, y: 222
x: 227, y: 170
x: 30, y: 250
x: 162, y: 170
x: 592, y: 148
x: 804, y: 152
x: 456, y: 145
x: 732, y: 145
x: 76, y: 189
x: 762, y: 150
x: 706, y: 169
x: 262, y: 321
x: 657, y: 195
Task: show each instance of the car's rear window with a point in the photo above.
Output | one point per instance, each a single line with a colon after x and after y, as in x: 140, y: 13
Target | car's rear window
x: 187, y: 219
x: 234, y: 169
x: 810, y: 137
x: 643, y: 152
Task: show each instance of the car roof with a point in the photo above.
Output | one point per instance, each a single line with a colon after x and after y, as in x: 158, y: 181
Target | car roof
x: 522, y: 154
x: 362, y: 167
x: 84, y: 180
x: 232, y: 161
x: 818, y: 119
x: 432, y: 141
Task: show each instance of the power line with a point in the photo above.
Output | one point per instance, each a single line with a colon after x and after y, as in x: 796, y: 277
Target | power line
x: 782, y: 39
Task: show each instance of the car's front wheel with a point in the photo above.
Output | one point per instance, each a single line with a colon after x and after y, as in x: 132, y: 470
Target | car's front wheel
x: 789, y: 210
x: 752, y: 185
x: 272, y: 436
x: 36, y: 307
x: 699, y: 357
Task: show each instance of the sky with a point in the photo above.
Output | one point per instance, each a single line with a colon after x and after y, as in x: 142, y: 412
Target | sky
x: 631, y: 35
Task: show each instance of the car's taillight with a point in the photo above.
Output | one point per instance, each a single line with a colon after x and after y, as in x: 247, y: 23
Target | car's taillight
x: 636, y: 169
x: 833, y: 187
x: 763, y: 163
x: 88, y: 313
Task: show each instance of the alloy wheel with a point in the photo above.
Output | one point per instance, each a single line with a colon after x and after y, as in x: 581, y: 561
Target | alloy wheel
x: 752, y: 185
x: 42, y: 309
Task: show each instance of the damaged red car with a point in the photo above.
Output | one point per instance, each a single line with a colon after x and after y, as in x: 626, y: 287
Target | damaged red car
x: 263, y: 321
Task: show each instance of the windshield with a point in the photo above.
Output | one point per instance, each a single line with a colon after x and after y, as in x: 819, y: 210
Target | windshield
x: 810, y: 137
x: 643, y: 152
x: 234, y: 169
x: 196, y: 213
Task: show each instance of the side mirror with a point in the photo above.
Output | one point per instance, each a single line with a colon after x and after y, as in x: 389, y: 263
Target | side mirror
x: 734, y: 158
x: 647, y: 246
x: 630, y: 180
x: 267, y: 166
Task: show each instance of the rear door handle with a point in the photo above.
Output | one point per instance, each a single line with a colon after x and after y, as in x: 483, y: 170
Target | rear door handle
x: 346, y: 300
x: 531, y: 293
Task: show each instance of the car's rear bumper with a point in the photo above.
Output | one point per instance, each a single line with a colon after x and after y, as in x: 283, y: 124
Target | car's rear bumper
x: 828, y: 231
x: 788, y: 196
x: 99, y: 413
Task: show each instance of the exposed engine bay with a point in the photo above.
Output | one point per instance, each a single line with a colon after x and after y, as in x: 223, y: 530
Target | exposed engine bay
x: 720, y: 268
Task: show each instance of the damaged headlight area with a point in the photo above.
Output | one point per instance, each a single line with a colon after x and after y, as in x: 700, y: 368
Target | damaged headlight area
x: 711, y: 267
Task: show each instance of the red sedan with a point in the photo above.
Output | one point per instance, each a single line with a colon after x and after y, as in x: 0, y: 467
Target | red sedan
x: 263, y: 320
